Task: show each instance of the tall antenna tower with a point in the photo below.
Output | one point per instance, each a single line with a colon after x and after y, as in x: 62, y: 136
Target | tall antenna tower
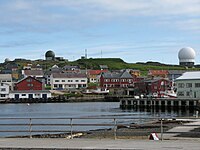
x: 85, y: 53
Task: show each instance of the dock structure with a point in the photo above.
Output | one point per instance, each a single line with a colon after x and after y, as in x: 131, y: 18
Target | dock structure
x: 159, y: 102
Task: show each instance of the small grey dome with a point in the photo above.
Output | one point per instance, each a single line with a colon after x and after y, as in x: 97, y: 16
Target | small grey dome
x: 7, y: 60
x: 50, y: 53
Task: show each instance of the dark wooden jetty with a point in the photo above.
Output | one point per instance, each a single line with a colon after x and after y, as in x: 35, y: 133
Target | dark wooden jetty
x: 159, y: 102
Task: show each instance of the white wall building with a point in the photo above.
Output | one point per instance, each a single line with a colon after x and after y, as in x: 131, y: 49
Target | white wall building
x: 30, y: 94
x: 68, y: 81
x: 4, y: 90
x: 7, y: 78
x: 188, y: 85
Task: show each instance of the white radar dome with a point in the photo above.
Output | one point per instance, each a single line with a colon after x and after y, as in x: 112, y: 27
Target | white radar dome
x: 187, y: 54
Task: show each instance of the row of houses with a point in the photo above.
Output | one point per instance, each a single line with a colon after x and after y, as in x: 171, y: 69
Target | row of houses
x: 6, y: 93
x: 129, y: 81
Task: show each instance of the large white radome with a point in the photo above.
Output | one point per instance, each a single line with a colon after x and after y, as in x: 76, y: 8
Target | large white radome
x: 187, y: 54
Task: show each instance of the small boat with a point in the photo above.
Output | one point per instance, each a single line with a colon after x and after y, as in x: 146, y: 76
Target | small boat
x: 100, y: 91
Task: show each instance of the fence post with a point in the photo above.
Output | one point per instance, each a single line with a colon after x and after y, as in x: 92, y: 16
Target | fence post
x: 30, y: 128
x: 115, y: 129
x: 71, y: 127
x: 161, y: 129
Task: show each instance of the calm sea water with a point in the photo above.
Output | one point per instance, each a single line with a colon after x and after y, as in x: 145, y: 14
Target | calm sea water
x: 76, y: 110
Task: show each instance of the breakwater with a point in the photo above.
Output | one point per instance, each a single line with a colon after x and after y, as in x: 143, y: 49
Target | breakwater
x: 159, y: 102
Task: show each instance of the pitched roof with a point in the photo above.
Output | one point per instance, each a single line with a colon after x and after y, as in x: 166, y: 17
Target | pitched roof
x: 195, y: 75
x: 176, y: 71
x: 122, y: 75
x: 33, y: 72
x: 67, y: 67
x: 27, y: 78
x: 103, y: 66
x: 155, y: 80
x: 5, y: 76
x: 96, y: 72
x: 157, y: 72
x: 69, y: 75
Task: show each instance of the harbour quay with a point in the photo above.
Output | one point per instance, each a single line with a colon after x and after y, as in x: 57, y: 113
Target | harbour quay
x: 159, y: 102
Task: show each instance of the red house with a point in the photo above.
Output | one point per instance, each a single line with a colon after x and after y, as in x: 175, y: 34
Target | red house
x: 116, y: 80
x: 29, y: 83
x: 153, y: 86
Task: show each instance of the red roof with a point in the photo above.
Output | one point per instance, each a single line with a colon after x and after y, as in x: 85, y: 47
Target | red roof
x: 96, y: 72
x: 158, y: 72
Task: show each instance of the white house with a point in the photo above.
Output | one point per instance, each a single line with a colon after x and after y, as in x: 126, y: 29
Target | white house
x: 68, y: 80
x: 188, y: 85
x: 7, y: 78
x: 30, y: 94
x: 4, y: 90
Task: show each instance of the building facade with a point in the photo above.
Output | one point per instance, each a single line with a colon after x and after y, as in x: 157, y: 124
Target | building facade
x: 29, y: 83
x: 188, y: 85
x: 116, y: 80
x: 94, y: 75
x: 63, y: 81
x: 152, y: 87
x: 30, y: 94
x: 4, y: 90
x: 7, y: 78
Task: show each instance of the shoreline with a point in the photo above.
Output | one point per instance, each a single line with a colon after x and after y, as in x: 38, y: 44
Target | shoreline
x: 133, y: 131
x: 60, y: 100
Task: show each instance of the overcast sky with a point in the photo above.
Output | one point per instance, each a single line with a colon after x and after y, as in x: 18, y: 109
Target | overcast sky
x: 134, y: 30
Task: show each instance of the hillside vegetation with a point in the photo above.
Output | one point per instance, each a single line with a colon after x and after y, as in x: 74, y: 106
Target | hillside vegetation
x: 112, y: 63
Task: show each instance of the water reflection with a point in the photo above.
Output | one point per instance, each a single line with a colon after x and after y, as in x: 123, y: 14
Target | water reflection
x: 78, y: 110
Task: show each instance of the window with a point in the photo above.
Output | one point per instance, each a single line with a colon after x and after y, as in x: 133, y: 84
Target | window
x: 29, y: 84
x: 63, y: 80
x: 37, y: 95
x: 180, y: 93
x: 188, y: 85
x: 56, y: 80
x: 82, y: 80
x: 187, y: 93
x: 3, y: 95
x: 28, y: 80
x: 77, y: 80
x: 23, y: 94
x: 3, y: 89
x: 181, y: 85
x: 106, y: 80
x: 197, y: 85
x: 130, y: 80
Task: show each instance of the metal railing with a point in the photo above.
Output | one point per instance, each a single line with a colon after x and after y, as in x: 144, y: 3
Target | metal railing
x: 31, y: 126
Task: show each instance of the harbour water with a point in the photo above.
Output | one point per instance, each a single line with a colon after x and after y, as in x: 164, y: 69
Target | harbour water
x: 78, y: 110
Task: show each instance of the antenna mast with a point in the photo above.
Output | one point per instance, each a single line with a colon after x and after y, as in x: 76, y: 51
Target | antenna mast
x: 85, y: 53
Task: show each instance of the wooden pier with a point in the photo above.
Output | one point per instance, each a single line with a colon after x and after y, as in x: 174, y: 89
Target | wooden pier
x: 159, y: 102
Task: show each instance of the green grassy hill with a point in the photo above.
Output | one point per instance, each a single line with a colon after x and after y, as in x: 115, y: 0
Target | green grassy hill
x: 117, y: 63
x: 112, y: 63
